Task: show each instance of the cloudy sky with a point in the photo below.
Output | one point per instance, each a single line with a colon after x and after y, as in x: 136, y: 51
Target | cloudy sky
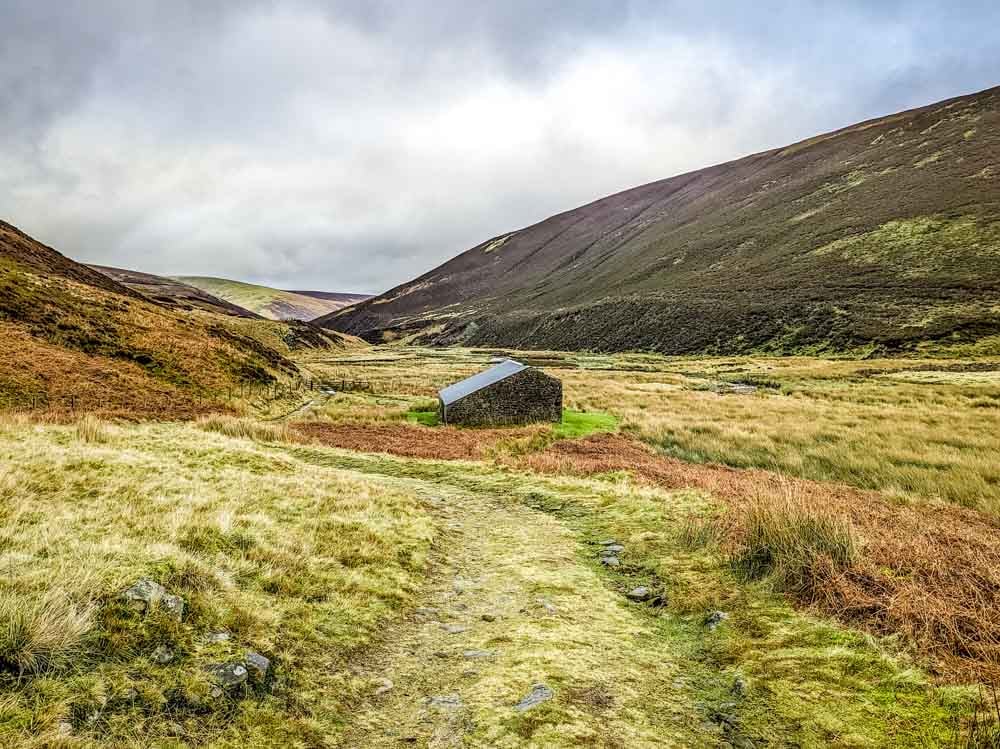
x: 350, y: 145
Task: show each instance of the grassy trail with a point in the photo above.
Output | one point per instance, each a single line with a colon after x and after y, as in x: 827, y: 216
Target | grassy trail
x: 513, y: 604
x: 624, y: 674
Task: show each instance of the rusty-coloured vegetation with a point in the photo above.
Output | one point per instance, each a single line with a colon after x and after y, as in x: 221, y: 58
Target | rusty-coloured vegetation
x: 929, y: 571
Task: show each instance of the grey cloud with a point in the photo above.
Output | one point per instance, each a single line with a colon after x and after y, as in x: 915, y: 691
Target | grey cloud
x: 351, y: 144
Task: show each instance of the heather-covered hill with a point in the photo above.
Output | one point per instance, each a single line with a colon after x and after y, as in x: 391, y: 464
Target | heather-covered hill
x: 71, y: 337
x: 883, y: 236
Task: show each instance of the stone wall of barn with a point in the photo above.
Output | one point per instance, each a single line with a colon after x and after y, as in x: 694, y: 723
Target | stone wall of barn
x: 527, y: 397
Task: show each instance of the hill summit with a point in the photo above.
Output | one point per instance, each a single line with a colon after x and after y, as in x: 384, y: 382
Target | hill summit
x: 883, y: 236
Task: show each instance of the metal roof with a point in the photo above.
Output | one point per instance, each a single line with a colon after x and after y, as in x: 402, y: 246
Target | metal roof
x: 459, y: 390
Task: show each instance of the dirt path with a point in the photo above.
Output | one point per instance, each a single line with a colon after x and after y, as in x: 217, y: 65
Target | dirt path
x: 516, y: 607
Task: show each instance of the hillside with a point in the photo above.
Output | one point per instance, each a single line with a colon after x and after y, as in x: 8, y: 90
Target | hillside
x: 883, y: 236
x: 171, y: 293
x: 274, y: 304
x: 74, y: 339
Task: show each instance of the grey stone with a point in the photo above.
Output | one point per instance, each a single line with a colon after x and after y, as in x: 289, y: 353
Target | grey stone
x: 143, y: 594
x: 163, y: 655
x: 228, y: 675
x: 173, y: 606
x: 739, y: 688
x: 611, y: 550
x: 716, y: 618
x: 477, y: 654
x: 453, y: 629
x: 610, y: 561
x: 216, y: 637
x: 539, y: 693
x: 545, y: 603
x: 384, y: 686
x: 257, y: 663
x: 445, y: 702
x: 173, y: 728
x: 608, y: 542
x: 639, y: 594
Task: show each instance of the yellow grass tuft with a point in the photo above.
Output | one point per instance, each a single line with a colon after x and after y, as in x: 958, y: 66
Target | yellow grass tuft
x: 248, y: 428
x: 794, y: 541
x: 92, y: 430
x: 37, y: 635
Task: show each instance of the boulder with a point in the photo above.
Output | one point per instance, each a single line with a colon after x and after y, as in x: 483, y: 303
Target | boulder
x: 163, y: 655
x: 445, y: 702
x: 639, y: 594
x: 539, y: 693
x: 716, y: 618
x: 144, y: 594
x: 173, y: 606
x: 228, y: 675
x: 258, y: 664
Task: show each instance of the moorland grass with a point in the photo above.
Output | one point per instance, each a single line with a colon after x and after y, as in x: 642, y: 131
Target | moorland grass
x: 844, y: 421
x: 793, y: 541
x: 807, y: 682
x: 299, y: 562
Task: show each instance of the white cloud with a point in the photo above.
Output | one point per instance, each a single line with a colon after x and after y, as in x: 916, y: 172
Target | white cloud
x: 353, y: 149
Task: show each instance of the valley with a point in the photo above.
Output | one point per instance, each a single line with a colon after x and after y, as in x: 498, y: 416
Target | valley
x: 762, y: 507
x: 413, y: 584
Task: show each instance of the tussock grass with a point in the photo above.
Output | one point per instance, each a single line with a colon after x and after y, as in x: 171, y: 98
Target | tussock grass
x: 91, y: 429
x: 795, y: 542
x: 247, y: 428
x: 41, y: 634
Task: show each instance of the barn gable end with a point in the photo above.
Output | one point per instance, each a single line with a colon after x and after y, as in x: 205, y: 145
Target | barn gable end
x: 508, y: 394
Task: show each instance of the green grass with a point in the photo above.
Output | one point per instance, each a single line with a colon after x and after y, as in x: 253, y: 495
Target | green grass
x: 577, y: 424
x: 425, y: 414
x: 302, y: 563
x: 574, y: 424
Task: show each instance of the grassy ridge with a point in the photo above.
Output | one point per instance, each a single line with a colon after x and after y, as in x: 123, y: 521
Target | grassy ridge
x: 273, y: 304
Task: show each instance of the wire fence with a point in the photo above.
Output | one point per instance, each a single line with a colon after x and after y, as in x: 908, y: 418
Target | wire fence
x: 267, y: 392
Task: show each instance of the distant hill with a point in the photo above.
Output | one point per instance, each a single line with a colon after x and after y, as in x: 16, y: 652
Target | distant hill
x: 172, y: 293
x: 882, y: 236
x: 274, y: 304
x: 71, y: 337
x: 334, y: 296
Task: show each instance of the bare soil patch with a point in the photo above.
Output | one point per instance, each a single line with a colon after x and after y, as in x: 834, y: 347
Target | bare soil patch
x: 929, y: 571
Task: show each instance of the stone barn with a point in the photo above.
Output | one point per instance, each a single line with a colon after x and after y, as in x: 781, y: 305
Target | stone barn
x: 508, y: 393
